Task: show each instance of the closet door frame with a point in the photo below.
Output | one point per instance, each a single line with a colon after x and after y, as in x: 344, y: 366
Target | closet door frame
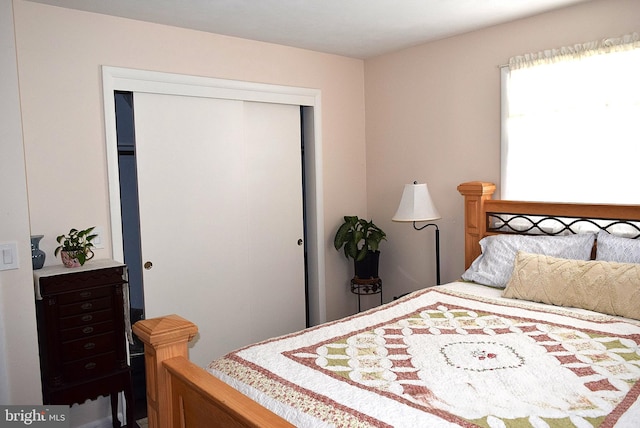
x: 127, y: 79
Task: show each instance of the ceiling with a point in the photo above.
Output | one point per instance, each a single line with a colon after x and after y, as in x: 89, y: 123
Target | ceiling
x: 354, y: 28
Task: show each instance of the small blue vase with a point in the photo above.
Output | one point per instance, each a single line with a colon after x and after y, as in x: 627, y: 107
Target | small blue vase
x: 37, y: 255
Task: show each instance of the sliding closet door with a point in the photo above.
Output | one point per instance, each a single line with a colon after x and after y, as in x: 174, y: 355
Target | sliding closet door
x: 220, y: 191
x: 275, y: 219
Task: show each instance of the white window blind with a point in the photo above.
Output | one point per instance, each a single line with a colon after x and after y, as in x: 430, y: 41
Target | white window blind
x: 571, y: 124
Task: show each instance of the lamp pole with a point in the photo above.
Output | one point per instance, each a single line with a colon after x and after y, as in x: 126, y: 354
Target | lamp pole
x: 437, y: 247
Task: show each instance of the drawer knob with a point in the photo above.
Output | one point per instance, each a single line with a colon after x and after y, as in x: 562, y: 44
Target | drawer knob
x: 89, y: 345
x: 87, y: 330
x: 86, y: 306
x: 90, y: 366
x: 85, y: 294
x: 87, y: 318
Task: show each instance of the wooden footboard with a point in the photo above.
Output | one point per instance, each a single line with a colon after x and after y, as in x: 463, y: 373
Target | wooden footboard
x: 181, y: 394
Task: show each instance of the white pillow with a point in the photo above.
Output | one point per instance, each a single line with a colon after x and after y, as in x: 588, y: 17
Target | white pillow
x: 495, y: 265
x: 613, y: 248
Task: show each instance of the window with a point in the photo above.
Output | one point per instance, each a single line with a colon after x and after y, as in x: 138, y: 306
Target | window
x: 571, y: 124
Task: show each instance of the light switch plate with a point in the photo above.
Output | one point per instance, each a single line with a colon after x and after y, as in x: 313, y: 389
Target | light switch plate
x: 98, y: 241
x: 9, y: 255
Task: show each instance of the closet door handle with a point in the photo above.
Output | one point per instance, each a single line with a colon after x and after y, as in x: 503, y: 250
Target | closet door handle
x: 148, y: 265
x: 300, y: 241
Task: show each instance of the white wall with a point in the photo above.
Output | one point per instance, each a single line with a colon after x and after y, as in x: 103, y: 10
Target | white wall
x: 60, y: 53
x: 19, y: 366
x: 433, y: 114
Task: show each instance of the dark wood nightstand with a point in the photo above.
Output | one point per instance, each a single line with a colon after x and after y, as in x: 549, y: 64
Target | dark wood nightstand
x: 82, y: 336
x: 366, y: 287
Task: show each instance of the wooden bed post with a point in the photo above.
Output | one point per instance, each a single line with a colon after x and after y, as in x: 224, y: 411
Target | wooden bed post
x: 164, y: 338
x: 475, y: 225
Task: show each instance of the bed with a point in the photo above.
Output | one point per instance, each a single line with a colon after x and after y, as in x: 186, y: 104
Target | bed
x: 553, y: 341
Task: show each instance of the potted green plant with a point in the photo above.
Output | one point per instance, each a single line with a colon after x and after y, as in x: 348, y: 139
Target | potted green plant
x: 360, y: 239
x: 75, y: 247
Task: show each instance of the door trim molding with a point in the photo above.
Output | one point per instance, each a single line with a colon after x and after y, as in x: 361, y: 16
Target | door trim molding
x: 134, y: 80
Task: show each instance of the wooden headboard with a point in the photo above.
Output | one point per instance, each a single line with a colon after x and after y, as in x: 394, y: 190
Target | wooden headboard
x: 482, y: 213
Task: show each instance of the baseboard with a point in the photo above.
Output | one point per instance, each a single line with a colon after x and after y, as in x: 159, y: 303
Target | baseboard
x: 100, y: 423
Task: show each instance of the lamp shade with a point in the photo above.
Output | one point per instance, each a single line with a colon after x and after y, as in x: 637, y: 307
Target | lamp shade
x: 416, y: 204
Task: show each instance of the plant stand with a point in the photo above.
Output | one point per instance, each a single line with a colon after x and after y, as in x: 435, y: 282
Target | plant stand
x: 366, y: 287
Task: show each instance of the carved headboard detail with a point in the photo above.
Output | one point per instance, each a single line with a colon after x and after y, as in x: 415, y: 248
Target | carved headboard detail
x: 485, y: 216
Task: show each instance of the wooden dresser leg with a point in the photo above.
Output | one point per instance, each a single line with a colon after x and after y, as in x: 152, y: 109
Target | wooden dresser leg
x: 131, y: 404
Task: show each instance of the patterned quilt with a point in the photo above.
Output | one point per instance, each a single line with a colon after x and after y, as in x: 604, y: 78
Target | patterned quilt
x: 454, y: 355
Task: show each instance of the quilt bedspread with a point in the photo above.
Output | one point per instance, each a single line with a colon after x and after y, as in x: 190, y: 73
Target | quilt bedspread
x: 443, y: 357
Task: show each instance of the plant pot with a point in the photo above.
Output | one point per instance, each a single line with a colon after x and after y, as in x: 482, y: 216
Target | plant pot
x: 73, y: 259
x: 368, y: 267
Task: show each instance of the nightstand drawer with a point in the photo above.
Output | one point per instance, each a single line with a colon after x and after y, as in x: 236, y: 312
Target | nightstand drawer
x: 81, y: 320
x: 82, y: 295
x: 89, y: 367
x: 87, y: 330
x: 85, y: 306
x: 71, y: 280
x: 87, y: 347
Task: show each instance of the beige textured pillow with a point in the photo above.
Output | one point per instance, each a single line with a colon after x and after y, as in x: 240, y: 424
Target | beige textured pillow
x: 607, y: 287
